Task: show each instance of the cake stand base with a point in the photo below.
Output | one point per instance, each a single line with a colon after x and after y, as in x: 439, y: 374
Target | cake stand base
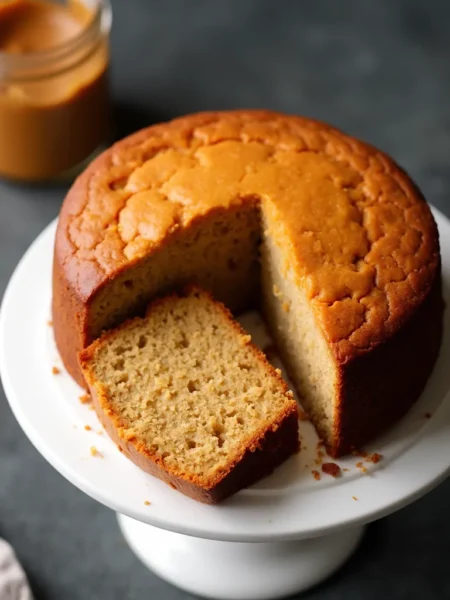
x: 233, y: 570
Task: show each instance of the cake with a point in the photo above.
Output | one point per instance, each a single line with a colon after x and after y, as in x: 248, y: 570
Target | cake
x: 323, y: 232
x: 186, y: 396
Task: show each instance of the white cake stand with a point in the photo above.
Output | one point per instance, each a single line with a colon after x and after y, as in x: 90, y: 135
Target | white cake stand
x: 305, y: 528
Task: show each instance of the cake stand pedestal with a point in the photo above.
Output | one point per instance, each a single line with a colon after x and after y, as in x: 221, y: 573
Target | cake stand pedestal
x: 238, y: 570
x: 281, y: 536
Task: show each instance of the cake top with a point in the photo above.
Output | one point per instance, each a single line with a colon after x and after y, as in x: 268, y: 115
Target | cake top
x: 362, y: 241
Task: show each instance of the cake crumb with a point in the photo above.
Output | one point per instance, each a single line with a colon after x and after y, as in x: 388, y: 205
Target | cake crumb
x: 427, y: 415
x: 88, y: 427
x: 316, y: 475
x: 346, y: 470
x: 302, y: 416
x: 100, y: 432
x: 147, y: 503
x: 332, y: 469
x: 95, y: 452
x: 85, y: 399
x: 354, y: 498
x: 90, y: 406
x: 50, y: 323
x: 56, y: 371
x: 375, y: 458
x: 360, y: 465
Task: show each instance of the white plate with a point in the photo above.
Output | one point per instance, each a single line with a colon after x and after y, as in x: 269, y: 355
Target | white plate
x: 290, y: 504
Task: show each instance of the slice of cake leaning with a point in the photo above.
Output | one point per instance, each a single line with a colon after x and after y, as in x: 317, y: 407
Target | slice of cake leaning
x: 188, y: 398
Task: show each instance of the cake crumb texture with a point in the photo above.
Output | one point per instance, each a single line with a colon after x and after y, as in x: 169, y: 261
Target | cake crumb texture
x: 189, y: 398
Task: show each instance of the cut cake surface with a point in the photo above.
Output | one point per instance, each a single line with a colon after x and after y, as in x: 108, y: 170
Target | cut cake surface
x: 186, y: 396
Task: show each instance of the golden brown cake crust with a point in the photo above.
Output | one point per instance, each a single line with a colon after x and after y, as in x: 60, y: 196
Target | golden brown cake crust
x: 363, y: 242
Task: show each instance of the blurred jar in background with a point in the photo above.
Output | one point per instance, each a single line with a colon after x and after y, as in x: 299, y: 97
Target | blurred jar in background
x: 54, y: 108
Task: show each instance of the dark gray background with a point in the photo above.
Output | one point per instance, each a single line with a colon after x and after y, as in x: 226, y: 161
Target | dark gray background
x: 379, y: 70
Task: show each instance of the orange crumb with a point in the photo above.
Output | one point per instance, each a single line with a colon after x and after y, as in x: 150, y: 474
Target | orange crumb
x: 427, y: 415
x: 88, y: 427
x: 50, y: 323
x: 346, y: 470
x: 364, y: 470
x: 331, y: 469
x: 85, y: 399
x: 375, y: 458
x: 318, y: 462
x: 316, y: 475
x: 302, y: 415
x: 147, y: 503
x: 95, y: 452
x: 354, y: 498
x: 359, y: 465
x: 56, y: 371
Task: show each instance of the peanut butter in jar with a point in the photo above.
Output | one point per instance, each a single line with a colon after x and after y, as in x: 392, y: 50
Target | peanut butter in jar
x: 54, y: 110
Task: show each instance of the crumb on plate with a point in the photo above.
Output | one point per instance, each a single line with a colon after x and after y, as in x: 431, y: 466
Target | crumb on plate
x: 316, y: 475
x: 147, y: 503
x: 55, y: 370
x: 95, y: 452
x: 88, y: 427
x: 375, y: 458
x: 332, y: 469
x: 354, y: 498
x: 85, y: 399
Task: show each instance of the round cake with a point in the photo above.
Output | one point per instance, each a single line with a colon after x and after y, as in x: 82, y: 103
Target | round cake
x: 323, y: 233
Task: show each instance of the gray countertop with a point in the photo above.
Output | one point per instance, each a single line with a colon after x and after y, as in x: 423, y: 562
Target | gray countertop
x: 379, y: 70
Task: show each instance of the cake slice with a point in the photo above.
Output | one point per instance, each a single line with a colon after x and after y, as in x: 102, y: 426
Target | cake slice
x: 188, y: 398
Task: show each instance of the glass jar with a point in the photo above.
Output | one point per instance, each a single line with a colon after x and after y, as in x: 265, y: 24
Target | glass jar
x: 54, y: 105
